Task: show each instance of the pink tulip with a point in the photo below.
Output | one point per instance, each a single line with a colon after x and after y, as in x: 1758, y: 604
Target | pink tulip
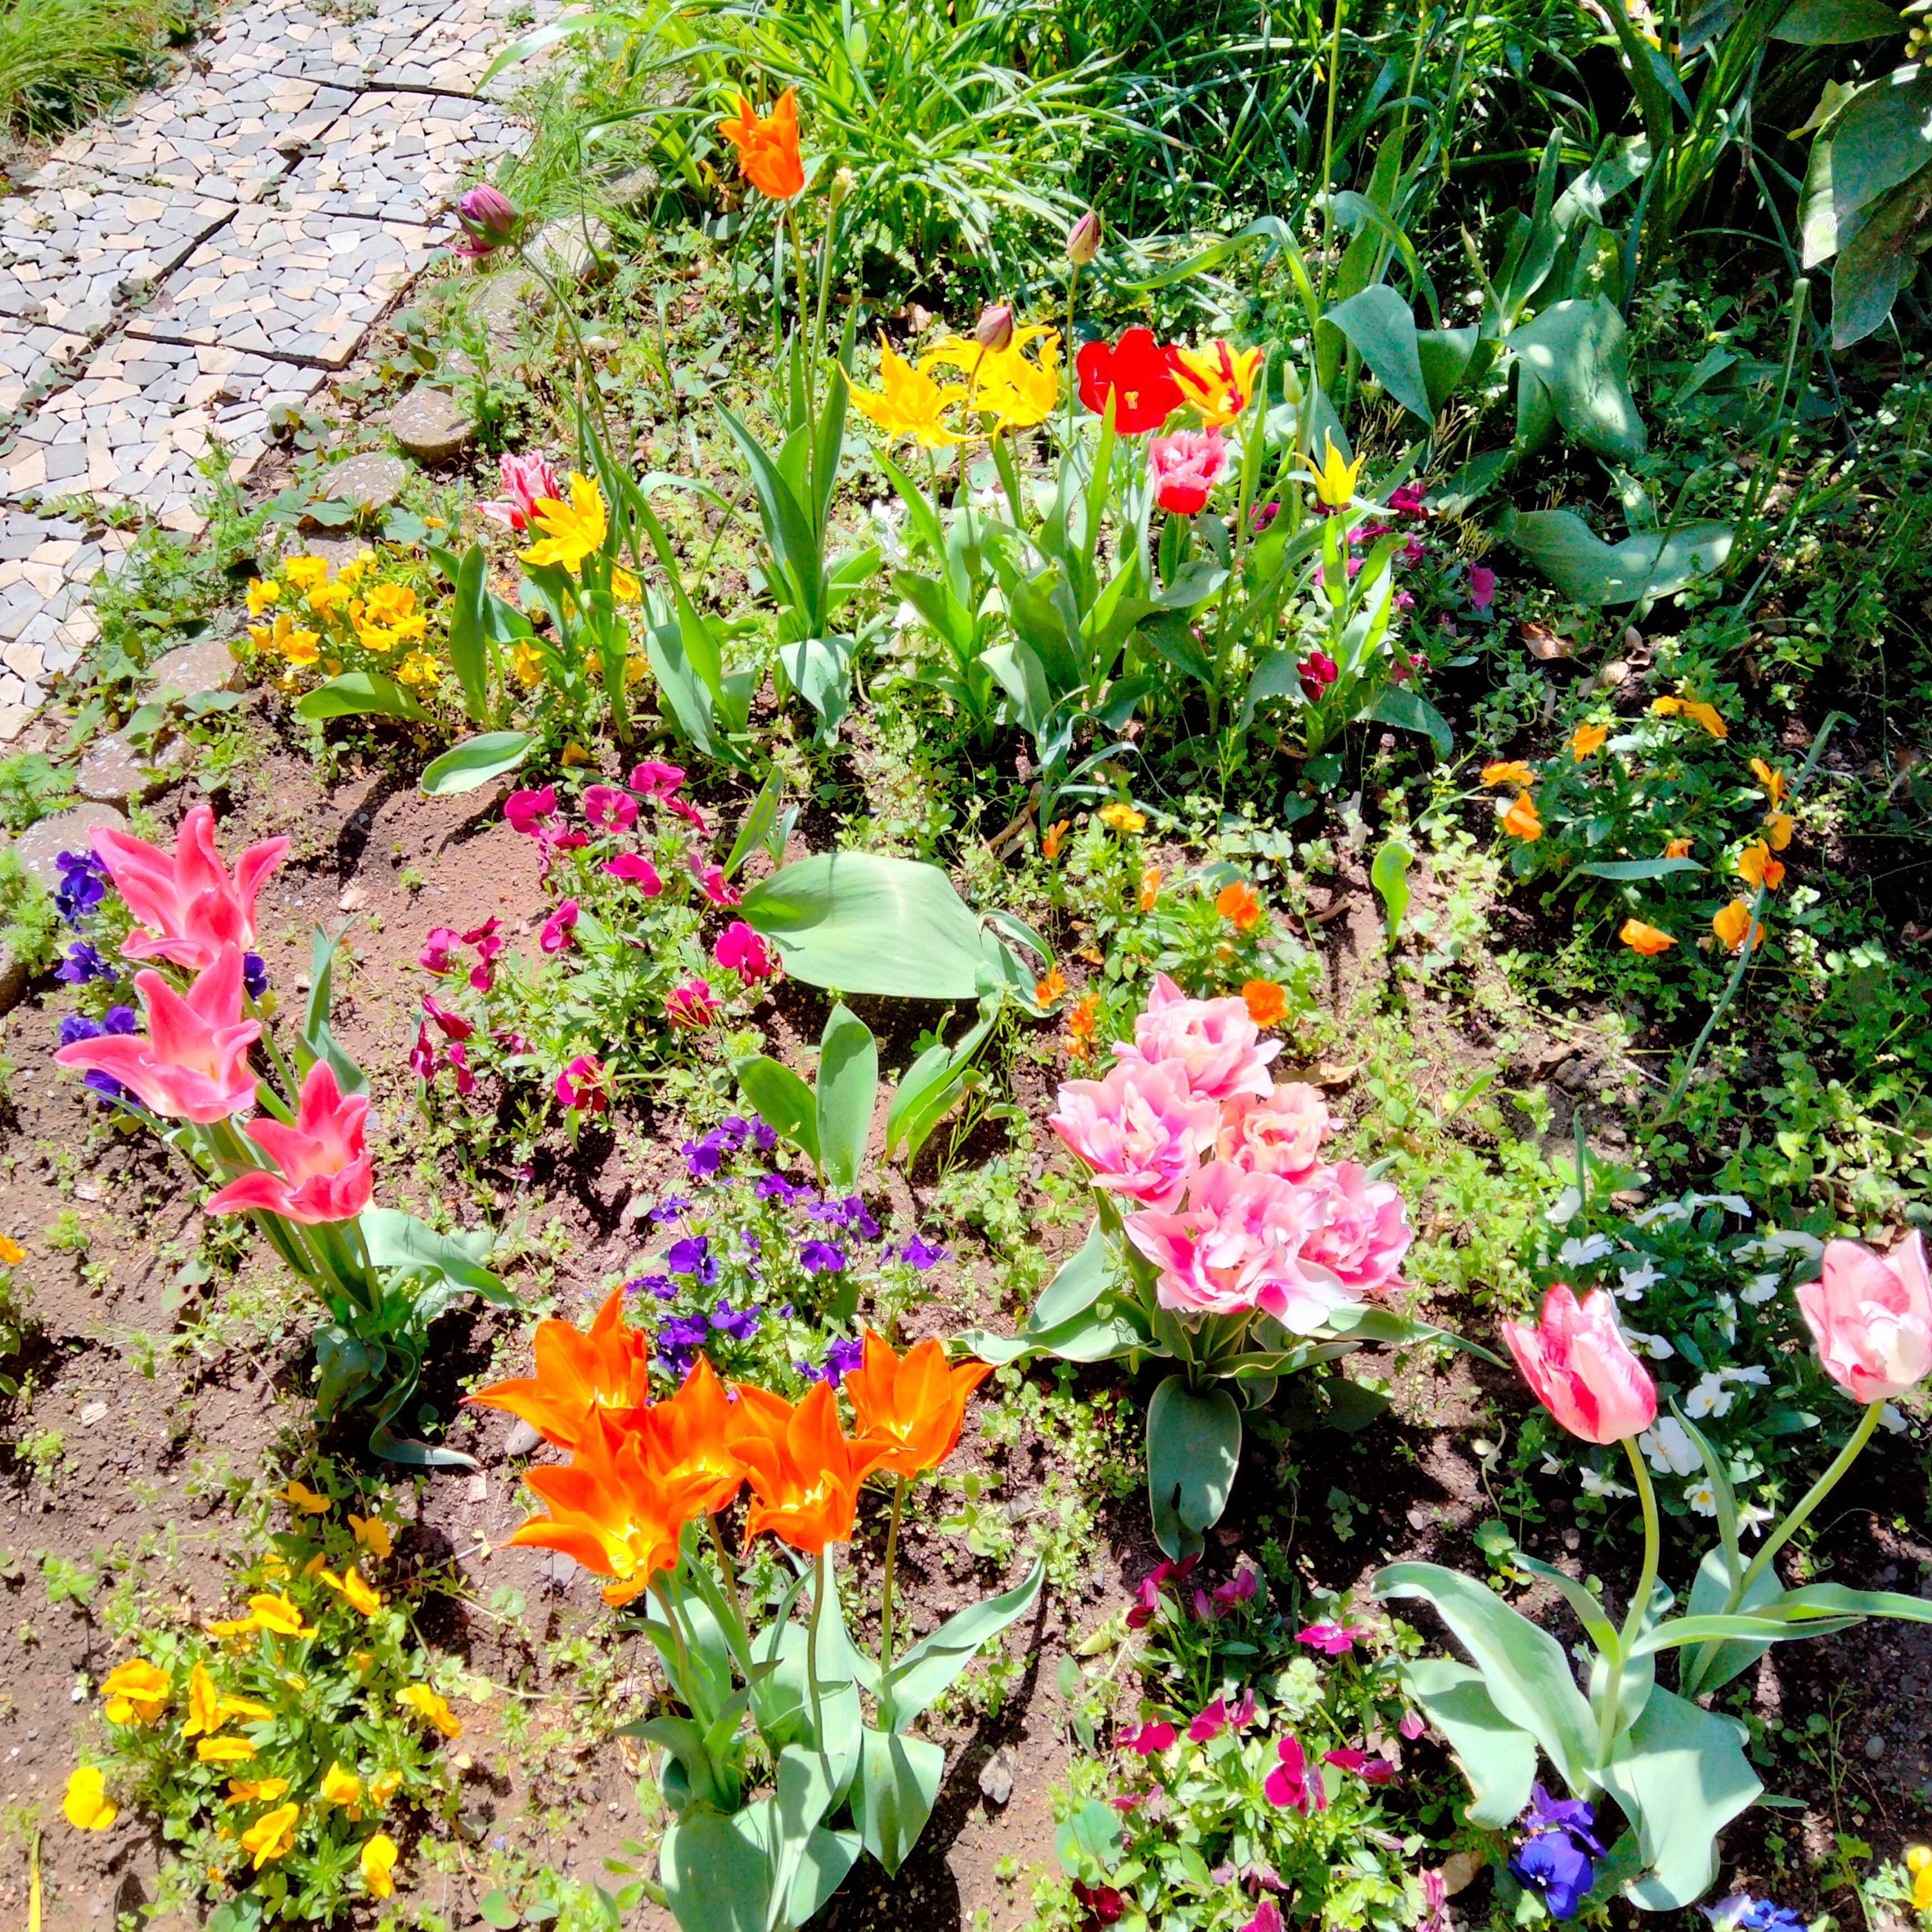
x: 188, y: 903
x: 1236, y: 1244
x: 527, y: 481
x: 555, y: 937
x: 717, y: 888
x: 584, y: 1085
x: 1141, y: 1130
x: 1291, y: 1784
x: 1185, y: 467
x: 609, y: 809
x: 1280, y: 1132
x: 1871, y: 1317
x: 192, y: 1063
x: 1214, y: 1041
x: 1582, y: 1369
x: 324, y: 1167
x: 635, y: 870
x: 1364, y: 1231
x: 741, y: 950
x: 691, y: 1005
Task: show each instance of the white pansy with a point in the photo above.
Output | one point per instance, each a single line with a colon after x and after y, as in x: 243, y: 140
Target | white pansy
x: 1702, y: 1497
x: 1664, y: 1211
x: 1594, y: 1485
x: 1727, y: 1315
x: 1711, y: 1397
x: 1759, y: 1290
x: 1668, y: 1444
x: 1732, y: 1204
x: 1752, y: 1518
x: 1581, y: 1251
x: 1636, y: 1279
x: 1551, y: 1465
x: 1758, y: 1377
x: 1657, y: 1347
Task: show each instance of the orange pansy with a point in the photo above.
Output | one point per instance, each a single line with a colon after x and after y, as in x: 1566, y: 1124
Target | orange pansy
x: 1512, y: 771
x: 1265, y: 1001
x: 607, y: 1371
x: 1756, y: 867
x: 1237, y: 904
x: 1646, y: 939
x: 1520, y: 821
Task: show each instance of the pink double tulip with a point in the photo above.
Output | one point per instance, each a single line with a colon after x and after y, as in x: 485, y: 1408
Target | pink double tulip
x: 1214, y: 1041
x: 1363, y: 1231
x: 1871, y: 1317
x: 1236, y: 1245
x: 192, y: 1063
x: 1185, y: 467
x: 1141, y: 1130
x: 324, y: 1166
x: 528, y: 480
x: 190, y: 906
x: 1581, y: 1369
x: 1277, y: 1133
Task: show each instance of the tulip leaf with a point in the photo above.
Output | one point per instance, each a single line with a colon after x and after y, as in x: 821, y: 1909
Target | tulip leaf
x: 1577, y: 350
x: 1587, y: 570
x: 1377, y: 322
x: 474, y: 761
x: 357, y: 693
x: 848, y: 1086
x: 1080, y: 1282
x: 823, y: 1862
x: 1634, y: 869
x: 1193, y: 1449
x: 937, y: 1660
x: 783, y: 1101
x: 715, y: 1877
x: 317, y: 1039
x: 469, y: 647
x: 399, y: 1240
x: 1497, y: 1757
x: 1829, y: 1599
x: 898, y: 1783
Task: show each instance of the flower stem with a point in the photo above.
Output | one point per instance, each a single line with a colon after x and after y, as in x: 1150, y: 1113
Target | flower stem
x: 1812, y: 1497
x: 818, y: 1569
x: 1072, y: 379
x: 886, y: 1597
x: 585, y: 377
x: 730, y: 1570
x: 1646, y: 1581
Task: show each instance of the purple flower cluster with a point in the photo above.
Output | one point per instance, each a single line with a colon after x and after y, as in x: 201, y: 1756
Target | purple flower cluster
x: 693, y: 1256
x: 706, y: 1155
x: 1741, y: 1912
x: 82, y: 963
x: 83, y: 885
x: 850, y: 1214
x: 817, y: 1257
x: 679, y: 1338
x: 841, y: 1357
x: 922, y: 1254
x: 78, y: 1027
x: 1555, y: 1859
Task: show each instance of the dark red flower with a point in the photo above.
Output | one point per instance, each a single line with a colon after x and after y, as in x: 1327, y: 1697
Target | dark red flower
x: 1104, y: 1905
x: 1140, y: 375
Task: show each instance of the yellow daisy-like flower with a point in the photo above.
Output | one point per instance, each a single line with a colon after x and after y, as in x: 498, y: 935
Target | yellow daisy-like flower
x: 419, y: 668
x: 299, y: 1496
x: 137, y: 1692
x: 261, y: 596
x: 372, y: 1534
x: 1122, y: 817
x: 87, y: 1804
x: 298, y: 647
x: 1219, y: 379
x: 306, y: 572
x: 274, y: 1837
x: 571, y: 531
x: 1335, y: 480
x: 909, y: 402
x: 379, y: 1861
x: 425, y: 1701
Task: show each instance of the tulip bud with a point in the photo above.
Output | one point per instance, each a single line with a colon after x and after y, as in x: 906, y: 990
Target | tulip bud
x: 995, y: 330
x: 489, y: 220
x: 843, y: 183
x: 1083, y: 240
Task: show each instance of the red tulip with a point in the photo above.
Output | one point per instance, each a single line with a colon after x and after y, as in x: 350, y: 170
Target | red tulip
x: 1138, y: 374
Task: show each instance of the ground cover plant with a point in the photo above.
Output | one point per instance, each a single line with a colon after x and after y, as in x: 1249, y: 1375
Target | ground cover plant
x: 1065, y: 1064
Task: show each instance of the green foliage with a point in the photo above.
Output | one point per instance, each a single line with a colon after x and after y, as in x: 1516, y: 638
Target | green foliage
x: 30, y: 924
x: 63, y: 61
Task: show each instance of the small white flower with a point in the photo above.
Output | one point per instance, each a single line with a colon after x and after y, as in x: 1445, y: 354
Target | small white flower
x: 1668, y: 1444
x: 1636, y: 1279
x: 1594, y: 1485
x: 1727, y: 1315
x: 1752, y: 1518
x: 1759, y: 1378
x: 1657, y: 1347
x: 1732, y: 1204
x: 1664, y: 1211
x: 1761, y: 1289
x: 1893, y: 1420
x: 1580, y: 1251
x: 1710, y: 1397
x: 1551, y: 1466
x: 1702, y: 1497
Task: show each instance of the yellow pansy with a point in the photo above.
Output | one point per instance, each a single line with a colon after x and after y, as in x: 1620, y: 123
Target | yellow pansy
x: 909, y: 402
x: 1919, y: 1863
x: 204, y: 1704
x: 1511, y: 771
x: 1778, y: 827
x: 384, y: 1786
x: 226, y: 1627
x: 1335, y: 480
x: 224, y: 1750
x: 244, y: 1707
x: 571, y: 531
x: 298, y: 1495
x: 298, y: 647
x: 261, y: 596
x: 1773, y: 782
x: 137, y: 1692
x: 1756, y: 867
x: 306, y: 572
x: 378, y: 1861
x: 419, y: 668
x: 359, y: 1594
x: 425, y: 1701
x: 526, y: 660
x: 1705, y: 714
x: 279, y: 1614
x: 372, y: 1533
x: 624, y: 586
x: 1521, y: 820
x: 87, y: 1804
x: 11, y: 1252
x: 274, y: 1837
x: 341, y: 1786
x: 326, y: 597
x: 1731, y: 924
x: 261, y: 1791
x: 1122, y: 817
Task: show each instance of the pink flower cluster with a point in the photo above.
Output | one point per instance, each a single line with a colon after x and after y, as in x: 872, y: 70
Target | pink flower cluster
x: 1221, y: 1168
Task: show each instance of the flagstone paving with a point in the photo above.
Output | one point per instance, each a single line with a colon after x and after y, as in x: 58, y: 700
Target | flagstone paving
x: 216, y: 248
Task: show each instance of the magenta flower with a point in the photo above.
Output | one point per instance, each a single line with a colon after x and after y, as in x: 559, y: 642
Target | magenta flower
x: 527, y: 810
x: 1141, y: 1130
x: 655, y: 780
x: 1239, y: 1588
x: 1376, y: 1770
x: 635, y: 870
x: 691, y: 1005
x: 1147, y: 1592
x: 584, y: 1085
x: 1185, y: 467
x: 438, y: 944
x: 458, y: 1057
x: 453, y: 1024
x: 1412, y: 1725
x: 1291, y: 1785
x: 324, y: 1167
x: 527, y: 481
x: 556, y: 934
x: 1363, y: 1231
x: 1335, y: 1640
x: 609, y: 809
x: 422, y: 1055
x: 1407, y: 501
x: 690, y: 814
x: 1148, y: 1739
x: 1482, y: 585
x: 1216, y: 1718
x: 488, y: 941
x: 741, y: 950
x: 1319, y: 672
x: 1214, y: 1041
x: 1267, y: 1918
x: 717, y: 888
x: 489, y: 220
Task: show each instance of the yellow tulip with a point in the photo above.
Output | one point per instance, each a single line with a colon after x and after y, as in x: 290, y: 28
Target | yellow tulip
x: 909, y: 402
x: 1335, y: 480
x: 571, y: 531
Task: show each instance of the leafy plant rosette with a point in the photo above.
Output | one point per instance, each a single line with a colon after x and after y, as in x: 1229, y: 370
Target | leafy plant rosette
x: 768, y: 1743
x: 1676, y: 1771
x: 278, y: 1747
x: 1222, y: 1241
x: 300, y: 1169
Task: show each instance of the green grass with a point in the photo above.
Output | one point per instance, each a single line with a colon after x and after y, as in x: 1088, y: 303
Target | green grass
x: 62, y: 61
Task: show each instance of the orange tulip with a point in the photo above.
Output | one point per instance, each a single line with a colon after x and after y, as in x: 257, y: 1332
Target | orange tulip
x: 1265, y: 1001
x: 1645, y: 939
x: 1520, y: 821
x: 910, y: 1407
x: 805, y: 1472
x: 683, y: 1440
x: 610, y: 1512
x: 1237, y: 904
x: 767, y: 145
x: 606, y: 1372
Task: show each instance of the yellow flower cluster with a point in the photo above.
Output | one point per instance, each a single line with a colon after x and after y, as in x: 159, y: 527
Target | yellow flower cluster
x: 307, y: 611
x: 1006, y: 384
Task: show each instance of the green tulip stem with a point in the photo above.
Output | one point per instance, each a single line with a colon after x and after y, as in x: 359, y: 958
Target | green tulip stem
x: 1646, y: 1581
x: 885, y: 1595
x: 730, y: 1570
x: 818, y: 1568
x: 1812, y: 1497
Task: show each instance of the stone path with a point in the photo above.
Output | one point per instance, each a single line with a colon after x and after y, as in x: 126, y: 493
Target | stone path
x: 216, y: 248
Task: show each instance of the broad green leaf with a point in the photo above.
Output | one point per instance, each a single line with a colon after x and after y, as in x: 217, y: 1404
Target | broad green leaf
x: 863, y: 922
x: 1635, y: 869
x: 1444, y: 356
x: 469, y: 649
x: 472, y: 762
x: 345, y: 1365
x: 316, y: 1039
x: 787, y: 1105
x: 1680, y: 1775
x: 1089, y: 1840
x: 806, y: 1788
x: 1389, y: 875
x: 1377, y: 322
x: 1497, y: 1757
x: 1882, y: 137
x: 1193, y: 1450
x: 937, y: 1660
x: 759, y: 820
x: 1409, y: 711
x: 359, y: 693
x: 1078, y: 1283
x: 1578, y: 351
x: 1710, y: 1589
x: 691, y: 702
x: 931, y: 1086
x: 1879, y: 252
x: 827, y: 1856
x: 1830, y: 23
x: 714, y: 1878
x: 1587, y: 570
x: 1524, y: 1668
x: 1588, y: 1605
x: 399, y: 1240
x: 848, y: 1086
x: 898, y: 1781
x: 683, y: 1740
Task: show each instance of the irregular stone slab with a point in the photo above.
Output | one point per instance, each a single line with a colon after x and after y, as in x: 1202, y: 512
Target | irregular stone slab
x: 39, y: 847
x: 115, y: 771
x: 33, y: 356
x: 428, y: 424
x: 142, y: 414
x: 455, y: 47
x: 574, y: 247
x: 300, y: 288
x: 402, y: 157
x: 206, y: 664
x: 369, y: 481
